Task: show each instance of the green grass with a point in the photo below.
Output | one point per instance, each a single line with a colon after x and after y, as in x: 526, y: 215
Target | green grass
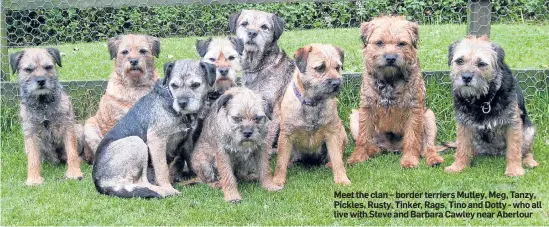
x: 308, y: 196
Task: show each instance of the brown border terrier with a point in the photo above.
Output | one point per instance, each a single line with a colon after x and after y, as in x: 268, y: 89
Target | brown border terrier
x: 309, y: 120
x: 47, y: 115
x: 267, y: 69
x: 133, y: 77
x: 489, y: 105
x: 159, y: 124
x: 233, y: 144
x: 392, y: 113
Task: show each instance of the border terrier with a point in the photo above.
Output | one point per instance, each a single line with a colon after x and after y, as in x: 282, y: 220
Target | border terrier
x: 47, y: 116
x: 489, y: 105
x: 233, y: 143
x: 267, y: 69
x: 309, y: 120
x: 159, y: 124
x: 134, y: 76
x: 392, y: 113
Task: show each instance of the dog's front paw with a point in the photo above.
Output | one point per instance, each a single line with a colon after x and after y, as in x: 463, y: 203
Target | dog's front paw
x: 409, y: 162
x: 272, y: 187
x: 434, y: 160
x: 279, y: 181
x: 454, y: 168
x: 359, y: 155
x: 74, y: 175
x: 531, y: 163
x: 514, y: 171
x: 235, y: 198
x: 34, y: 181
x: 343, y: 181
x: 169, y: 191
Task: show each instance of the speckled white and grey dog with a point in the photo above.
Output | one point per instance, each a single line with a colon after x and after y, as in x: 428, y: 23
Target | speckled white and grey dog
x: 47, y: 116
x: 489, y: 106
x: 232, y: 145
x: 160, y: 125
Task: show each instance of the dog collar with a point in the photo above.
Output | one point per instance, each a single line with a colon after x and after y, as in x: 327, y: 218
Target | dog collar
x: 486, y: 107
x: 303, y: 101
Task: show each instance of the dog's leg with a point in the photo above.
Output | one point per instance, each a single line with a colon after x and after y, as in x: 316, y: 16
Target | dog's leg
x: 92, y: 138
x: 265, y: 177
x: 413, y: 138
x: 364, y: 144
x: 283, y: 158
x: 336, y: 144
x: 157, y: 149
x: 527, y: 143
x: 33, y: 162
x: 73, y: 160
x: 514, y: 148
x: 430, y: 133
x: 464, y: 150
x: 227, y: 178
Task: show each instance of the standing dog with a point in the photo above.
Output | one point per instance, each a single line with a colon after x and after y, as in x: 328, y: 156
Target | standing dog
x: 47, y: 116
x: 133, y: 77
x: 392, y: 103
x: 489, y: 106
x: 161, y: 122
x: 267, y: 68
x: 232, y: 145
x: 309, y: 119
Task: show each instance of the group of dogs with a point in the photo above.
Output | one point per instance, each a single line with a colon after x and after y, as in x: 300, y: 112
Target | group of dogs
x: 149, y: 133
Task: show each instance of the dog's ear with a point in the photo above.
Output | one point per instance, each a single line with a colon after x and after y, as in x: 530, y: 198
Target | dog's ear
x: 233, y: 19
x: 413, y: 29
x: 451, y: 51
x: 54, y: 52
x: 168, y: 72
x: 301, y: 56
x: 268, y: 108
x: 238, y: 44
x: 113, y: 44
x: 278, y: 27
x: 202, y: 46
x: 223, y: 100
x: 14, y: 60
x: 155, y: 45
x: 341, y: 55
x: 209, y: 72
x: 500, y: 54
x: 365, y: 32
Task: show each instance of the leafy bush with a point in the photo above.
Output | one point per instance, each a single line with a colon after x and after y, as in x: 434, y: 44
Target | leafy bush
x: 52, y: 26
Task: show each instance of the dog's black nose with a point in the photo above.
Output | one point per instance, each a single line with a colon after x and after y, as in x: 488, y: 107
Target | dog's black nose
x: 133, y: 61
x: 467, y: 77
x: 390, y: 58
x: 252, y: 34
x: 224, y: 72
x: 41, y: 81
x: 183, y: 102
x: 335, y: 83
x: 247, y: 132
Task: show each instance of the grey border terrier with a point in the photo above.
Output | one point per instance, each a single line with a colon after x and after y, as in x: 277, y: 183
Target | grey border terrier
x: 133, y: 77
x: 47, y: 115
x: 233, y: 144
x: 309, y: 119
x: 489, y: 106
x: 158, y: 126
x: 267, y: 68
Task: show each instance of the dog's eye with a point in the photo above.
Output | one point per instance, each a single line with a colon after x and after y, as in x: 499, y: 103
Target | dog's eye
x: 48, y: 67
x: 124, y: 52
x: 264, y: 27
x: 482, y: 64
x: 244, y: 24
x: 237, y: 119
x: 174, y: 86
x: 459, y: 61
x: 379, y: 43
x: 28, y: 70
x: 143, y: 51
x: 231, y: 58
x: 320, y: 68
x: 402, y: 44
x: 258, y: 119
x: 211, y: 59
x: 195, y: 85
x: 338, y: 68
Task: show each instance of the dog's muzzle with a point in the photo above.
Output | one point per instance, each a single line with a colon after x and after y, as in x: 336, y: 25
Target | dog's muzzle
x: 183, y: 102
x: 390, y: 59
x: 223, y: 71
x: 467, y: 78
x: 41, y: 82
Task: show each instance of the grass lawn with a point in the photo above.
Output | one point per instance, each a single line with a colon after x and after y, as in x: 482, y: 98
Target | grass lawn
x: 308, y: 198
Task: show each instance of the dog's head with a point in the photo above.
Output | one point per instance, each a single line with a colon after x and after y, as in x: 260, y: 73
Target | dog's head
x: 390, y: 44
x: 188, y: 81
x: 36, y: 70
x: 320, y: 68
x: 475, y: 66
x: 244, y: 114
x: 257, y: 29
x: 134, y: 56
x: 225, y: 54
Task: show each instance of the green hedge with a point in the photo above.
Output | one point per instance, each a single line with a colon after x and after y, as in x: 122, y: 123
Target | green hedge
x: 52, y: 26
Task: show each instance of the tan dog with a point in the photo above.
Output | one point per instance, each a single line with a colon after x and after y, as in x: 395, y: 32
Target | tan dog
x: 392, y: 113
x: 47, y: 116
x: 309, y: 118
x: 133, y: 77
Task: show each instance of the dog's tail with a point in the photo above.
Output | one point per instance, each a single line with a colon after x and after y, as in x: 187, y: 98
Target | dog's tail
x: 128, y: 191
x: 446, y: 145
x: 353, y: 123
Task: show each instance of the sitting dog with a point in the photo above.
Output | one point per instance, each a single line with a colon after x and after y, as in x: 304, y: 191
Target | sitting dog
x: 309, y: 119
x: 489, y: 107
x: 47, y: 116
x: 232, y: 145
x: 133, y: 77
x: 392, y: 113
x: 160, y: 123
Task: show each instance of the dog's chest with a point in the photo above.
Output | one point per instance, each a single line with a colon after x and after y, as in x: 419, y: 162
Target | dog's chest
x: 393, y: 94
x: 490, y: 141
